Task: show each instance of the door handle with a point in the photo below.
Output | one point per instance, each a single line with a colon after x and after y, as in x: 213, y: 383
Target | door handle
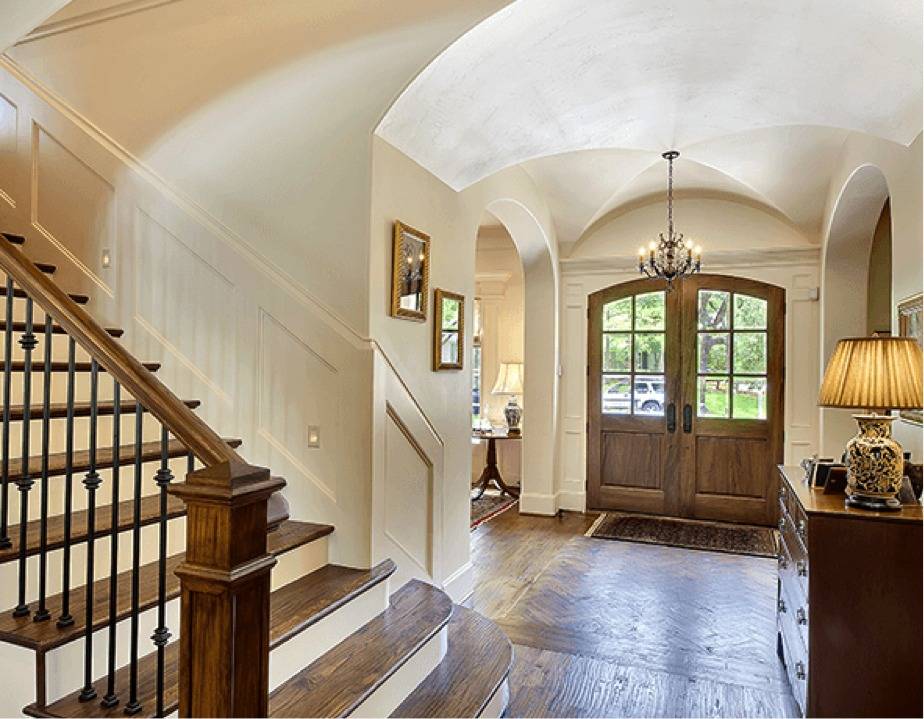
x: 687, y: 418
x: 671, y: 417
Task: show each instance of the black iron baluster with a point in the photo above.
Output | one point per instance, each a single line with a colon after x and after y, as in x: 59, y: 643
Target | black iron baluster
x: 65, y: 620
x: 190, y: 463
x: 111, y: 698
x: 92, y: 483
x: 133, y: 706
x: 5, y: 541
x: 161, y: 635
x: 42, y: 614
x: 24, y: 483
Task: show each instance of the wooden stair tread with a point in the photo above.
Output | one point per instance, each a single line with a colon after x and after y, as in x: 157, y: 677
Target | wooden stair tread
x: 150, y: 513
x: 62, y: 366
x: 339, y: 681
x: 43, y: 636
x: 39, y: 328
x: 79, y: 299
x: 58, y: 410
x: 477, y: 662
x: 299, y: 604
x: 80, y: 459
x: 13, y: 239
x: 291, y: 534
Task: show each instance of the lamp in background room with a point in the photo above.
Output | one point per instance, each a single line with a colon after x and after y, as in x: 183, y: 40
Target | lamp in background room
x: 874, y: 374
x: 510, y: 381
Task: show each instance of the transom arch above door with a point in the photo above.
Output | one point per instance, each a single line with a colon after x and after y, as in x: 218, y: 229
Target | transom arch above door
x: 685, y: 397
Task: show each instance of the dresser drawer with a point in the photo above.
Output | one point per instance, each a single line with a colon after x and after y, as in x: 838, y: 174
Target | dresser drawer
x: 795, y: 660
x: 793, y: 559
x: 792, y: 608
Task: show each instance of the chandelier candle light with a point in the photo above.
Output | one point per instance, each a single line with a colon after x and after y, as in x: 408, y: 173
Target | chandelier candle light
x: 672, y: 256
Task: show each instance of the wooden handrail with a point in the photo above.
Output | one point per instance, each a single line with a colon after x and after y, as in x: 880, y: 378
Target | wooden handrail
x: 208, y: 447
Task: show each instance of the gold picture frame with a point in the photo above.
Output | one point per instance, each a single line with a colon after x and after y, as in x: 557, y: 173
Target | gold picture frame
x: 410, y: 273
x: 911, y: 324
x: 448, y: 330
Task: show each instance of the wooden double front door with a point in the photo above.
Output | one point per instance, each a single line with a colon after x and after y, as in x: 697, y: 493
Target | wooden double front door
x: 685, y: 398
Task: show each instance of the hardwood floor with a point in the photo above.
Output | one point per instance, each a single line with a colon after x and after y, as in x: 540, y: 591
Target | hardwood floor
x: 606, y: 628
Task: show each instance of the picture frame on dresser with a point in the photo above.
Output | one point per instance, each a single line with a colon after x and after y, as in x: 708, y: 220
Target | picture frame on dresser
x: 911, y: 324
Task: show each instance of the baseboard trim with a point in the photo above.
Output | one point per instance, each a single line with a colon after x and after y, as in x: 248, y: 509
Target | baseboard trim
x: 572, y: 501
x: 461, y: 583
x: 543, y: 504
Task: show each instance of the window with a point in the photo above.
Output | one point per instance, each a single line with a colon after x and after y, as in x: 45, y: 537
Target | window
x: 731, y: 355
x: 633, y: 355
x: 476, y: 365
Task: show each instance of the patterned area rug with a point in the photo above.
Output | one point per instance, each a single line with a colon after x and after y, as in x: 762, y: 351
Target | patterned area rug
x: 687, y: 533
x: 489, y: 506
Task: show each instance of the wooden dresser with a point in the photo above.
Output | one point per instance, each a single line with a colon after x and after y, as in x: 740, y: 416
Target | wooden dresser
x: 849, y: 604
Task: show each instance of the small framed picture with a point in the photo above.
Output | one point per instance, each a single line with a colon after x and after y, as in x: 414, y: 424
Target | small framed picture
x: 448, y: 330
x: 410, y: 273
x: 911, y: 324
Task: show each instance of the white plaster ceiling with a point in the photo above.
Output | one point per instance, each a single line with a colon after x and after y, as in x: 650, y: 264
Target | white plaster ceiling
x: 758, y: 95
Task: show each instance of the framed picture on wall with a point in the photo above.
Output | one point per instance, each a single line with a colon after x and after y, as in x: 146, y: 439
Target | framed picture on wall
x: 410, y: 273
x: 448, y: 330
x: 910, y: 322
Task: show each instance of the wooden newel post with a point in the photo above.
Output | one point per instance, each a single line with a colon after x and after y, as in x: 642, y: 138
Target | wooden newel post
x: 225, y: 583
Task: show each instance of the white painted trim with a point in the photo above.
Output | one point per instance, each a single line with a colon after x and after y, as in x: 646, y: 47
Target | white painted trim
x: 572, y: 501
x: 117, y: 10
x: 770, y: 257
x: 545, y: 504
x: 461, y: 583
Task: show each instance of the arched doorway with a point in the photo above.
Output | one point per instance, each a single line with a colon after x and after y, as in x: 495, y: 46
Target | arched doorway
x: 860, y: 213
x: 685, y: 398
x: 540, y: 354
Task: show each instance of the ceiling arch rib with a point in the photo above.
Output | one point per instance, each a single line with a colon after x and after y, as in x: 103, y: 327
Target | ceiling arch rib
x: 541, y: 78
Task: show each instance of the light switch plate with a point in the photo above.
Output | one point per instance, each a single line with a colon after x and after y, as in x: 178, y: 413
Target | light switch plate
x: 314, y: 436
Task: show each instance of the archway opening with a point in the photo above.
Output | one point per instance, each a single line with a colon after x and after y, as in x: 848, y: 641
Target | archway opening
x: 856, y: 291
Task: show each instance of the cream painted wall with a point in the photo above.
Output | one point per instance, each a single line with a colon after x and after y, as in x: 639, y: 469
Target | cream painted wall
x: 902, y: 169
x: 740, y: 241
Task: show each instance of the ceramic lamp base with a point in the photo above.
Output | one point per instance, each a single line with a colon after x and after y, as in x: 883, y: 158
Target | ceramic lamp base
x: 874, y: 464
x: 513, y: 413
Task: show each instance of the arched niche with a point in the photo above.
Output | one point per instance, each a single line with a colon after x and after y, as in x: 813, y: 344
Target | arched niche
x: 540, y: 354
x: 845, y: 280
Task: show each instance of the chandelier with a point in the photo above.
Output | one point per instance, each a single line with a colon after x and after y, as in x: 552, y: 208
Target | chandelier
x: 672, y: 256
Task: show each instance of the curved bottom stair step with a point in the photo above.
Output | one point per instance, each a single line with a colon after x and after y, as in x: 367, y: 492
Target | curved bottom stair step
x: 323, y: 592
x: 340, y: 681
x: 472, y: 673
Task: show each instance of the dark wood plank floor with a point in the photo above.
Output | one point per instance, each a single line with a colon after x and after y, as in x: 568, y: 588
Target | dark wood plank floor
x: 605, y: 628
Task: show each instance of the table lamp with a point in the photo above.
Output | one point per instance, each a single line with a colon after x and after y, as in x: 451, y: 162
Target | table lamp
x: 875, y: 374
x: 510, y: 381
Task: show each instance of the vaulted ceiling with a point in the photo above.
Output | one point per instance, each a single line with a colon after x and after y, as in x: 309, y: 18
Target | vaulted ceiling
x: 758, y: 95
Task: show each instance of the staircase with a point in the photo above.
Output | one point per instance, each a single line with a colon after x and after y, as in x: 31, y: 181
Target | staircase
x: 129, y: 592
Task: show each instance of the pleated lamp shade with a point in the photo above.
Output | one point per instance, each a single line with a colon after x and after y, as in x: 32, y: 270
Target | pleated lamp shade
x: 874, y: 373
x: 509, y: 379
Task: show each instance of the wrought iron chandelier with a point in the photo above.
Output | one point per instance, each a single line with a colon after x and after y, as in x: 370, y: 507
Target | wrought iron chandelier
x: 672, y: 256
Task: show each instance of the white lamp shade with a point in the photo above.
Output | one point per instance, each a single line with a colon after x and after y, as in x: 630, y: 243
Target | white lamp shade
x: 509, y: 379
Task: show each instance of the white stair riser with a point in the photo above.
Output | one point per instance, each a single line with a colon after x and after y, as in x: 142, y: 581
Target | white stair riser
x: 297, y: 653
x: 176, y: 537
x: 386, y: 698
x: 17, y: 681
x: 57, y: 441
x: 498, y: 702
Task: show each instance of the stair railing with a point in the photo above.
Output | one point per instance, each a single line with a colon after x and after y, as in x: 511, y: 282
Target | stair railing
x: 223, y: 664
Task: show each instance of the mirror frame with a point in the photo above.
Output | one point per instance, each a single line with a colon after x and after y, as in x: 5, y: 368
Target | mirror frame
x: 438, y: 297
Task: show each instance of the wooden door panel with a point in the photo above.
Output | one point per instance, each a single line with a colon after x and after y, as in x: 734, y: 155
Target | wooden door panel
x: 631, y: 460
x: 731, y: 466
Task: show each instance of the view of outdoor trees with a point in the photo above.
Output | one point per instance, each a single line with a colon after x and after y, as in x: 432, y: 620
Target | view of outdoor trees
x: 731, y: 355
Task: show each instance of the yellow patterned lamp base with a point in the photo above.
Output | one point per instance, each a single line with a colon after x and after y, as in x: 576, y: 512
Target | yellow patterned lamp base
x: 874, y: 464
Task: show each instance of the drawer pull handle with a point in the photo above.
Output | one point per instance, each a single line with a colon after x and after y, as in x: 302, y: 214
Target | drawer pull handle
x: 782, y: 523
x: 800, y: 616
x: 781, y: 606
x: 781, y: 560
x: 782, y: 492
x: 800, y: 670
x: 801, y: 568
x: 801, y: 529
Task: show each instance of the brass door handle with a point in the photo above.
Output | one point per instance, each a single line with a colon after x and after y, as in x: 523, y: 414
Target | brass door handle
x: 672, y: 418
x: 687, y: 418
